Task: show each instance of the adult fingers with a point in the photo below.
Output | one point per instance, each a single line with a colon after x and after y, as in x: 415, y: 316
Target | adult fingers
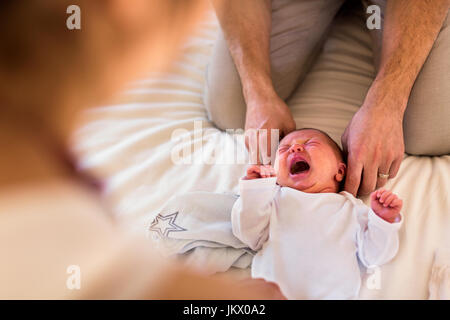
x: 374, y: 196
x: 369, y: 180
x: 259, y: 144
x: 353, y: 175
x: 290, y: 126
x: 344, y: 141
x: 395, y: 166
x: 268, y: 143
x: 383, y: 169
x: 265, y: 145
x: 251, y: 142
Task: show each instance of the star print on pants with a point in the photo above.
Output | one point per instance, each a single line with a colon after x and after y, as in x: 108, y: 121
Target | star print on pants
x: 163, y: 225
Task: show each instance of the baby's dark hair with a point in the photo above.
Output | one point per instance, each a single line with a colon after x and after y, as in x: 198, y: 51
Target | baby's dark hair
x: 337, y: 149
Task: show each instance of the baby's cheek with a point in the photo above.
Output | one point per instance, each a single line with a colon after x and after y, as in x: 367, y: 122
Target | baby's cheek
x: 283, y: 181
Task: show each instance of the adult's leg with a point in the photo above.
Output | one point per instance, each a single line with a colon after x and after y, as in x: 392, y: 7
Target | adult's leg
x: 335, y: 88
x: 426, y: 122
x: 298, y: 30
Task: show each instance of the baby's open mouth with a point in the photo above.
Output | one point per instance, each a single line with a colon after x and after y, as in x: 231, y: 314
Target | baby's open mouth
x: 300, y: 166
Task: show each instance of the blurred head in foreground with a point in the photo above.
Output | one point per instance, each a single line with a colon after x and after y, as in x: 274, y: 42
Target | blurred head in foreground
x: 48, y: 72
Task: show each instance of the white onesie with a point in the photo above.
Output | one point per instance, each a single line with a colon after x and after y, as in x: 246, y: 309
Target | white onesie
x: 309, y: 243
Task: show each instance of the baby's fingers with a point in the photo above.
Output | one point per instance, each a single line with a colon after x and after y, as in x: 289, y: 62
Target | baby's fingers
x: 379, y: 192
x: 272, y: 172
x: 391, y: 197
x: 384, y: 196
x: 267, y: 171
x: 253, y: 172
x: 397, y: 203
x: 253, y: 169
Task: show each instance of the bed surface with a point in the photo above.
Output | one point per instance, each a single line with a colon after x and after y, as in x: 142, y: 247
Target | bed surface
x: 129, y: 144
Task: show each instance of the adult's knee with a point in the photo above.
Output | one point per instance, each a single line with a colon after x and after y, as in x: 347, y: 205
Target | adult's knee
x: 421, y: 147
x: 426, y: 122
x: 426, y: 130
x: 223, y: 97
x: 224, y: 111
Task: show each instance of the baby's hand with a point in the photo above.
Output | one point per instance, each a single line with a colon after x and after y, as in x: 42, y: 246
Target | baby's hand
x: 386, y: 205
x: 259, y: 171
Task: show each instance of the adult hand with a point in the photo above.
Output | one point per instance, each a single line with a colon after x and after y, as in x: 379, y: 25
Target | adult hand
x: 373, y: 142
x: 269, y: 112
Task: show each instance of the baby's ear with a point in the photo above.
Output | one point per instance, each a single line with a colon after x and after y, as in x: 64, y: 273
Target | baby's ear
x: 342, y: 169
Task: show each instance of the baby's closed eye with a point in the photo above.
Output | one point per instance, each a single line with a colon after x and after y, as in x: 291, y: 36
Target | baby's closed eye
x: 283, y: 148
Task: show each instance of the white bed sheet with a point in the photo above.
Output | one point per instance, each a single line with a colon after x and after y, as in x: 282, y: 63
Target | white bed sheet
x: 129, y: 145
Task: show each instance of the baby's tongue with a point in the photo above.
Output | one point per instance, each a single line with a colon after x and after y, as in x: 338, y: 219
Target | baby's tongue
x: 299, y: 166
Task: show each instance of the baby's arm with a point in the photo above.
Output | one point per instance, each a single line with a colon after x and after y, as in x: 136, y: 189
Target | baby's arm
x: 251, y: 213
x: 377, y: 238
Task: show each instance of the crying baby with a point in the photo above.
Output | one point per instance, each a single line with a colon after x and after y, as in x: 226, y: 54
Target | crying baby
x: 312, y: 240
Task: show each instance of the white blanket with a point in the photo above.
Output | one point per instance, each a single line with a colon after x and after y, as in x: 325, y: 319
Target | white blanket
x: 196, y: 227
x: 129, y: 145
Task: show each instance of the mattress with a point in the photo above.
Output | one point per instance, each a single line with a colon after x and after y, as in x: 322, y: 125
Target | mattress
x: 134, y: 145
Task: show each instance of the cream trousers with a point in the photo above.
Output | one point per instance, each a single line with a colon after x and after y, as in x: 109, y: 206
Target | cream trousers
x: 322, y: 61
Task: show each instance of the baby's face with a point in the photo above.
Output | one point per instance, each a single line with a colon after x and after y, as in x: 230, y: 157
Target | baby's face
x: 308, y: 161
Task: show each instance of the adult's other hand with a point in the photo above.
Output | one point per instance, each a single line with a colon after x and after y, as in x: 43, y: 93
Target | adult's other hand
x: 373, y: 142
